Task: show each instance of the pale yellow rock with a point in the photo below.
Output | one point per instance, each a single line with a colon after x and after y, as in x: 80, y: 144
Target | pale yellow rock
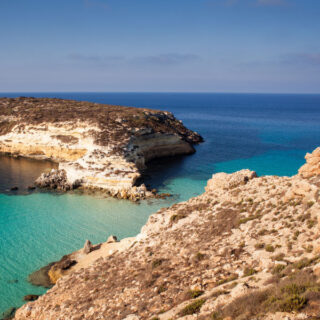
x: 312, y: 167
x: 223, y: 180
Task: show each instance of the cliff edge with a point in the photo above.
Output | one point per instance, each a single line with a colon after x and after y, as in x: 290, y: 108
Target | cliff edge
x: 247, y: 248
x: 97, y: 146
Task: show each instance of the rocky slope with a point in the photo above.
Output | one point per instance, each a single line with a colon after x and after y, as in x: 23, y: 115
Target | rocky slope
x: 247, y: 248
x: 97, y: 146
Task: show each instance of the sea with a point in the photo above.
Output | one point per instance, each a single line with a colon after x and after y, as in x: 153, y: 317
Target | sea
x: 268, y: 133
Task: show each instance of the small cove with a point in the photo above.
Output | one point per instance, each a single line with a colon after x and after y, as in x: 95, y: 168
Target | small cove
x: 266, y: 133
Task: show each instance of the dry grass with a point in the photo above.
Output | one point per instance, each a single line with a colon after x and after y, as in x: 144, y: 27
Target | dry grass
x: 294, y: 293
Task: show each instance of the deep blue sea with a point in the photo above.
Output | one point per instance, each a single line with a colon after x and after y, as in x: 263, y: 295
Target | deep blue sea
x: 263, y: 132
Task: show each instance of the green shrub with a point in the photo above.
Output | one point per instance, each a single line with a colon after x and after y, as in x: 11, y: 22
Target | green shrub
x: 278, y: 269
x: 292, y: 303
x: 245, y: 220
x: 193, y: 307
x: 269, y: 248
x: 195, y: 293
x: 228, y: 279
x: 249, y: 272
x: 259, y: 246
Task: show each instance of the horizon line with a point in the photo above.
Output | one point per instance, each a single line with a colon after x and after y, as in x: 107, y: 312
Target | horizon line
x: 173, y: 92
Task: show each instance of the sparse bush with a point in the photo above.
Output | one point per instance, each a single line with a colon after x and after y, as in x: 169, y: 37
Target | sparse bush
x: 192, y: 294
x: 278, y: 269
x: 228, y: 279
x: 200, y: 256
x: 262, y: 232
x: 279, y: 257
x: 156, y: 263
x: 287, y: 295
x: 259, y: 246
x: 269, y: 248
x: 249, y: 272
x: 176, y: 217
x: 193, y: 307
x: 310, y: 204
x: 249, y: 218
x: 296, y: 235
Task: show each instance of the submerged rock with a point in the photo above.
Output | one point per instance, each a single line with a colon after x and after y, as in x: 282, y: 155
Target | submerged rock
x: 40, y: 277
x: 13, y: 281
x: 9, y: 314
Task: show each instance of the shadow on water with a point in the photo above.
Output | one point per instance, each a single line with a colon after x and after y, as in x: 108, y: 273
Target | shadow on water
x: 20, y: 173
x: 163, y: 169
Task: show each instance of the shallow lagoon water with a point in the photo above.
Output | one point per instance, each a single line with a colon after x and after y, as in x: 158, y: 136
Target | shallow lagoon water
x: 266, y: 133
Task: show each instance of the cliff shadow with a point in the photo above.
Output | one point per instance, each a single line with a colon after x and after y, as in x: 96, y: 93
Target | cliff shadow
x: 160, y: 170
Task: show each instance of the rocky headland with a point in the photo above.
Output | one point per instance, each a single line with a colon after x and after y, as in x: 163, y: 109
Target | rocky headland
x: 247, y: 248
x: 100, y: 147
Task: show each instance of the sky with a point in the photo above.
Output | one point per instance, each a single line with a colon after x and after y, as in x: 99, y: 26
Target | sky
x: 259, y: 46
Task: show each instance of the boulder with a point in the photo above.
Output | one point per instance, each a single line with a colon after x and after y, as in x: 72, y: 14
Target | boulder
x: 87, y: 248
x: 312, y: 166
x: 112, y: 239
x: 30, y: 297
x: 224, y: 180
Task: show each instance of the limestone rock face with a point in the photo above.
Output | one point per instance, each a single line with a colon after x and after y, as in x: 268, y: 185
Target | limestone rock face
x: 312, y: 167
x: 57, y: 179
x: 97, y: 146
x: 238, y: 246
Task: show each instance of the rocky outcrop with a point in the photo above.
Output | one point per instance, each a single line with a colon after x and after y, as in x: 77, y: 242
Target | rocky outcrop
x: 97, y: 146
x: 312, y: 166
x: 247, y: 248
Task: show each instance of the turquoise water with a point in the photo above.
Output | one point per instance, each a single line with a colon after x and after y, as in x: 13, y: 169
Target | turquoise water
x: 266, y: 133
x: 37, y: 229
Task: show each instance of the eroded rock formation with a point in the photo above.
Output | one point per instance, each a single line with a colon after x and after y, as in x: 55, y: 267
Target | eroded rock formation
x: 247, y: 248
x: 97, y: 146
x: 312, y: 166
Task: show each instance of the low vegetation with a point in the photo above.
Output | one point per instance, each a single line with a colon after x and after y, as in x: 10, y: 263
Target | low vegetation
x: 286, y: 295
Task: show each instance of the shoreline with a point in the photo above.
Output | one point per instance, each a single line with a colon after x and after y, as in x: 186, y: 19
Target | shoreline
x: 96, y: 146
x: 241, y: 226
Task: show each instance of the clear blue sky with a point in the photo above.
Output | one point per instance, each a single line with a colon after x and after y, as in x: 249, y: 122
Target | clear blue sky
x: 160, y: 45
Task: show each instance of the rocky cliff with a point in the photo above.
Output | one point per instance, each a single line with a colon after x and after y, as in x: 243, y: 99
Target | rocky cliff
x: 97, y: 146
x: 247, y: 248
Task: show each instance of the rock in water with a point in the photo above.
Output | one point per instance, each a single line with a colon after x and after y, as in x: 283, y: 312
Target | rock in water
x: 40, y: 277
x: 57, y: 179
x: 8, y: 314
x: 87, y: 247
x: 31, y: 297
